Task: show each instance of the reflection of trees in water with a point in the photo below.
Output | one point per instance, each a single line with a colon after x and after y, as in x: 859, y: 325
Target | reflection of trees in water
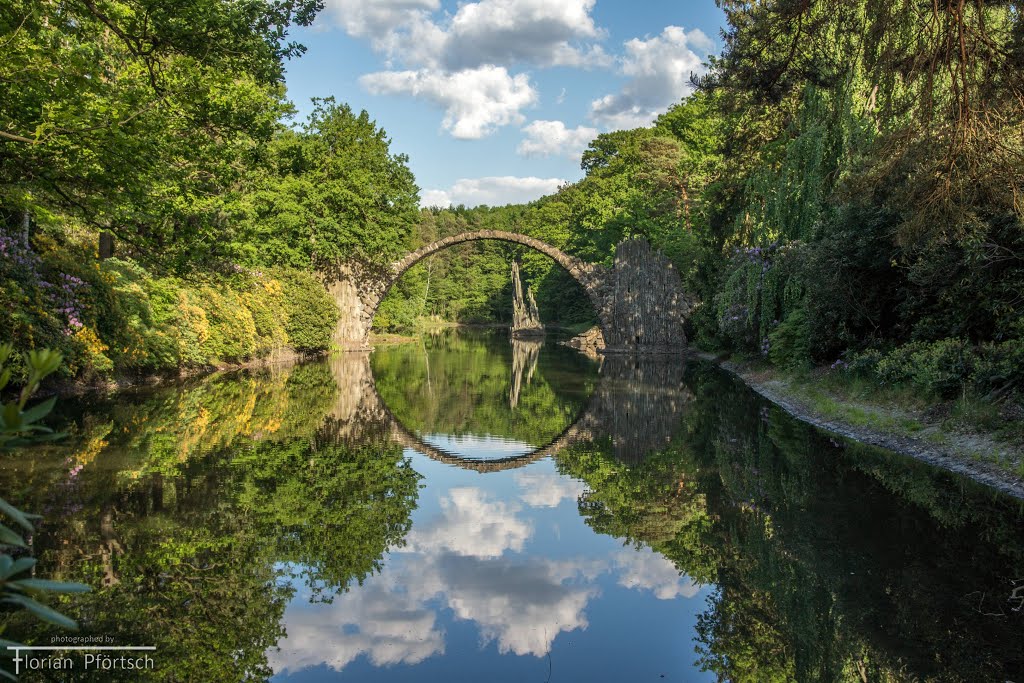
x: 637, y: 403
x: 525, y: 353
x: 187, y: 549
x: 472, y: 380
x: 832, y: 563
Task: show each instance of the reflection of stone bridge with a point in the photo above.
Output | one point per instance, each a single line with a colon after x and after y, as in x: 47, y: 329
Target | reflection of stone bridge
x: 637, y: 405
x: 639, y: 301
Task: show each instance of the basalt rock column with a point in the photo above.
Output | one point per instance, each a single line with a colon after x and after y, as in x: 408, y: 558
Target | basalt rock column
x: 525, y: 316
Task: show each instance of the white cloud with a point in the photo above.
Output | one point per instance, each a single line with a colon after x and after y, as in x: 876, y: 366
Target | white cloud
x: 546, y: 490
x: 457, y: 561
x: 380, y: 619
x: 476, y: 101
x: 538, y: 32
x: 493, y: 191
x: 523, y: 606
x: 659, y: 71
x: 471, y: 525
x: 487, y: 32
x: 547, y: 138
x: 647, y: 570
x: 439, y: 198
x: 375, y: 19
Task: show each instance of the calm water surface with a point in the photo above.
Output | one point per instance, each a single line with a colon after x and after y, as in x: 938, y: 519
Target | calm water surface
x: 470, y: 509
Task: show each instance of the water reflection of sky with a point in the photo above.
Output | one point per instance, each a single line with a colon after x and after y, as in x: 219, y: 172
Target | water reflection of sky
x: 479, y: 447
x: 498, y: 572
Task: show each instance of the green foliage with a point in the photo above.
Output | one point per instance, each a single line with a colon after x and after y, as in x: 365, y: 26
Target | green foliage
x: 948, y: 367
x: 311, y: 314
x: 847, y: 140
x: 137, y: 119
x: 115, y: 316
x: 788, y: 345
x: 166, y: 130
x: 330, y: 191
x: 226, y: 491
x: 20, y: 425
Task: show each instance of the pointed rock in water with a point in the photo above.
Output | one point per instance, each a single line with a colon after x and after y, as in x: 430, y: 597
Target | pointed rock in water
x: 525, y: 316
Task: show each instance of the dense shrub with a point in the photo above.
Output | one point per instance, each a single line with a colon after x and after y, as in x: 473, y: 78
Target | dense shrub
x: 115, y: 316
x: 757, y: 294
x: 312, y: 314
x: 788, y: 345
x: 35, y: 311
x: 232, y: 331
x: 947, y: 367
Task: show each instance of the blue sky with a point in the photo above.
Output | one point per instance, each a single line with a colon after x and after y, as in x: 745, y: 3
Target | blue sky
x: 493, y: 100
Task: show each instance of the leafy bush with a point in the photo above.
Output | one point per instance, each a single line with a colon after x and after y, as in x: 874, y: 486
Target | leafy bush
x: 115, y: 316
x: 789, y: 344
x: 21, y: 425
x: 266, y: 303
x: 312, y: 313
x: 232, y: 335
x: 999, y: 368
x: 759, y: 291
x: 948, y: 366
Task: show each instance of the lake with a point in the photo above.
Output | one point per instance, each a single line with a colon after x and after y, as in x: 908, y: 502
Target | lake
x: 471, y: 508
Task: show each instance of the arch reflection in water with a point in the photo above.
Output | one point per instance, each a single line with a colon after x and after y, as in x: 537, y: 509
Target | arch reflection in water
x: 634, y: 402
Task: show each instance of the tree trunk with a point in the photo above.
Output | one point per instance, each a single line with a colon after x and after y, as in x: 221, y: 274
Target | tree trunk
x: 106, y: 245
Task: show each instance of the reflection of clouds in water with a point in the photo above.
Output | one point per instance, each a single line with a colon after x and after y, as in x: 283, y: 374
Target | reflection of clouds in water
x: 471, y: 525
x: 458, y: 561
x: 547, y: 490
x: 380, y: 620
x: 645, y: 569
x: 522, y: 606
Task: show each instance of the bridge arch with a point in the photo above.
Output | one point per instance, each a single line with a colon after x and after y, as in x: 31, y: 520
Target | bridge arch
x: 372, y: 286
x: 581, y: 428
x: 639, y: 302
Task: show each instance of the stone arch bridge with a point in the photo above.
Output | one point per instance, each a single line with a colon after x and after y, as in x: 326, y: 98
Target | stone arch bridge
x: 639, y: 301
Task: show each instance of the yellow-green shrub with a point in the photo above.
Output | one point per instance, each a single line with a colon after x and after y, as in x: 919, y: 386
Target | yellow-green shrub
x: 232, y: 330
x: 266, y: 304
x: 312, y: 313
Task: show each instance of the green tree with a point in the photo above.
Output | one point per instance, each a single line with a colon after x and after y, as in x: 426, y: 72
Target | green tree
x: 136, y: 116
x: 332, y: 191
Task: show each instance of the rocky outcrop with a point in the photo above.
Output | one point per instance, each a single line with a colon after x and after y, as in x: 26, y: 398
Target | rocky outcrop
x: 589, y: 343
x: 648, y: 304
x: 525, y: 316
